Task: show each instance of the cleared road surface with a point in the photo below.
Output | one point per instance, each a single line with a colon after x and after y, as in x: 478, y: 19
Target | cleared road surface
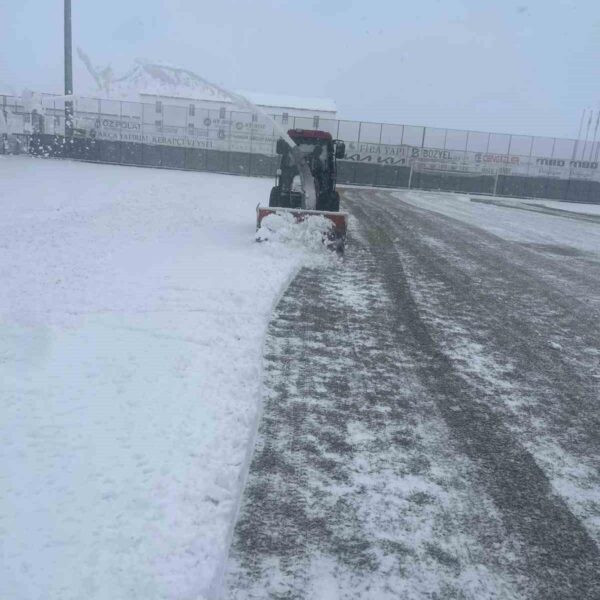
x: 431, y: 423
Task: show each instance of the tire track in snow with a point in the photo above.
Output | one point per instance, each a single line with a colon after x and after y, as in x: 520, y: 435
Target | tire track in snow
x: 562, y: 557
x: 522, y: 327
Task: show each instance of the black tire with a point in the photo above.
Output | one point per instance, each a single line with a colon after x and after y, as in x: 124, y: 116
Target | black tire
x: 322, y: 202
x: 295, y: 200
x: 334, y: 202
x: 275, y: 197
x: 329, y: 202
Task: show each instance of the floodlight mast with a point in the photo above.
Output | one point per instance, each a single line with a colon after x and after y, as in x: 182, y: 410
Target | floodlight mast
x: 68, y: 71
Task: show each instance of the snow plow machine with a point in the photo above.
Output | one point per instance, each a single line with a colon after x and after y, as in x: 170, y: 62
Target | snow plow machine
x: 305, y: 183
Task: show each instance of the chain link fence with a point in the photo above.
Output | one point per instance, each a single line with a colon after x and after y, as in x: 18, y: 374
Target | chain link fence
x: 190, y: 136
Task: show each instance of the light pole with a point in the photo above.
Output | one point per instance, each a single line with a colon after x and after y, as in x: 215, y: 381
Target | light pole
x: 68, y: 71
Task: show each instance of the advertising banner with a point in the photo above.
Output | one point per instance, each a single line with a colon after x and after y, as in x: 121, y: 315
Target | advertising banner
x: 245, y: 132
x: 471, y: 163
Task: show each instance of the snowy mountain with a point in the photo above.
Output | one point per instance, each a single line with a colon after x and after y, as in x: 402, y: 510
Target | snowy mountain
x: 148, y: 78
x: 157, y: 79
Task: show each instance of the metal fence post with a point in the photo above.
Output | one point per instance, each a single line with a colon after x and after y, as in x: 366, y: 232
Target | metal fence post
x: 530, y: 155
x: 68, y: 65
x: 251, y: 161
x: 531, y: 148
x: 4, y: 145
x: 121, y: 118
x: 229, y: 142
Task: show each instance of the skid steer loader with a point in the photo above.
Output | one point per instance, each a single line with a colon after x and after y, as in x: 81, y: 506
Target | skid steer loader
x: 306, y: 180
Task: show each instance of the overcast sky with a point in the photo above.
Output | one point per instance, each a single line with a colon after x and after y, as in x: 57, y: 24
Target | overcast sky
x: 524, y: 66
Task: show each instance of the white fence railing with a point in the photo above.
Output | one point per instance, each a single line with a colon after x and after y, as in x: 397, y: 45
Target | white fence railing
x: 425, y: 149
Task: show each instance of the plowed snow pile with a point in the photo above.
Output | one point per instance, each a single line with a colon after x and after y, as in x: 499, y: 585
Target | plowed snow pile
x: 307, y: 234
x: 133, y: 308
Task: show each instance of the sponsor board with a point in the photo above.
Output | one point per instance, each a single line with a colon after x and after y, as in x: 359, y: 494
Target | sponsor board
x: 249, y: 133
x: 471, y: 163
x: 382, y: 154
x: 211, y: 134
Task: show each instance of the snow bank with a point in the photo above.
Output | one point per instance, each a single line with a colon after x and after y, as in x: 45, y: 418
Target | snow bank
x: 132, y: 315
x: 307, y: 234
x: 574, y: 207
x: 531, y: 227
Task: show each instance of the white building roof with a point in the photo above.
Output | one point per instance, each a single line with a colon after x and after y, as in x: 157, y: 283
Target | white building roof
x: 280, y: 101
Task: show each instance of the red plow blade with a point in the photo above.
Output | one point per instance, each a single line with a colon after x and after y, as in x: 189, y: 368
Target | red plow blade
x: 336, y: 236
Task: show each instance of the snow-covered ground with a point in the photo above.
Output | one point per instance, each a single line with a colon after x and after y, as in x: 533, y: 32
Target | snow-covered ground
x: 576, y: 207
x: 133, y: 308
x: 557, y: 205
x: 519, y: 225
